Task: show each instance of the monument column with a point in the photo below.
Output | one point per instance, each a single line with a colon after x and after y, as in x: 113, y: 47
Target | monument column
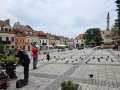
x: 108, y: 22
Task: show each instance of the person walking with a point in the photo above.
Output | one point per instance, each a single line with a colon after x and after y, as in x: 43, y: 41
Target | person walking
x: 35, y: 52
x: 48, y: 57
x: 24, y: 60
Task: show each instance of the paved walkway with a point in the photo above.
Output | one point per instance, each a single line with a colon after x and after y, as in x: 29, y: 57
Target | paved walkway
x: 103, y: 64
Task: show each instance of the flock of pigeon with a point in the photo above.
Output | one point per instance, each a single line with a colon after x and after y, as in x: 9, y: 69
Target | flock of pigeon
x: 107, y: 58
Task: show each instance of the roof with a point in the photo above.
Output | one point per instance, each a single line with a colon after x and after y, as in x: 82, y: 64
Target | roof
x: 39, y: 32
x: 92, y: 41
x: 80, y: 36
x: 3, y: 23
x: 25, y: 28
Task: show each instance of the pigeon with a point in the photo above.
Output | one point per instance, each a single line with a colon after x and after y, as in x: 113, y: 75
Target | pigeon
x: 91, y: 75
x: 80, y: 58
x: 106, y: 59
x: 93, y: 58
x: 66, y: 62
x: 86, y: 62
x: 101, y: 57
x: 98, y: 59
x: 107, y: 56
x: 71, y: 56
x: 76, y: 60
x: 118, y: 55
x: 73, y: 61
x: 111, y: 60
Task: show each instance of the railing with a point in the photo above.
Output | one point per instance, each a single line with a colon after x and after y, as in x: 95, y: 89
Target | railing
x: 5, y: 42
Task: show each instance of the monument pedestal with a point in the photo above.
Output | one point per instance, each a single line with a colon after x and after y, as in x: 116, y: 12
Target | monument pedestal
x: 107, y: 43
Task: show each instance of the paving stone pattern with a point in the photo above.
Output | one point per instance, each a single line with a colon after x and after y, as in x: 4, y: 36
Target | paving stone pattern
x: 49, y: 75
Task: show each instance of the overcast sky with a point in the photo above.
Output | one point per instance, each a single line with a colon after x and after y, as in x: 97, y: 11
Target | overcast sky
x: 61, y: 17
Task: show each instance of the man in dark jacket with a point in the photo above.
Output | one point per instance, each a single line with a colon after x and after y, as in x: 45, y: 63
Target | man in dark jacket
x: 24, y: 60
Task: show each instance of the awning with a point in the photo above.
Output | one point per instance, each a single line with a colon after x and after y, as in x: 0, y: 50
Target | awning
x: 61, y: 45
x: 49, y: 45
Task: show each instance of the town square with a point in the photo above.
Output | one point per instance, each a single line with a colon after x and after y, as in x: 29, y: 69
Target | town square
x: 60, y: 45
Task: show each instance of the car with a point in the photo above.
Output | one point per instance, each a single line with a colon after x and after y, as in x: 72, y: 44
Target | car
x: 79, y: 48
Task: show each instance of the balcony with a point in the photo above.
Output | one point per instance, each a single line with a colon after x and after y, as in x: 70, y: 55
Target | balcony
x: 33, y: 43
x: 28, y: 43
x: 5, y: 42
x: 44, y: 44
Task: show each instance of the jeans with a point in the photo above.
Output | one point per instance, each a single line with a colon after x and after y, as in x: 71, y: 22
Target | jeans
x: 35, y: 59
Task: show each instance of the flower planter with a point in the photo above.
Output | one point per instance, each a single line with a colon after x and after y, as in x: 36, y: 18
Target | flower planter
x: 79, y: 87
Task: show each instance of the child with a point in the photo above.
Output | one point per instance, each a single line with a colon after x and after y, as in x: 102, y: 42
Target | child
x: 48, y: 57
x: 1, y: 72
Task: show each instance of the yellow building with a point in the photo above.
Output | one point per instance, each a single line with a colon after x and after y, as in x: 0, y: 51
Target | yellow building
x: 79, y: 40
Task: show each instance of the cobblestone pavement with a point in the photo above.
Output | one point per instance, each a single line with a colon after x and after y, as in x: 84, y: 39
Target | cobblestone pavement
x: 75, y: 65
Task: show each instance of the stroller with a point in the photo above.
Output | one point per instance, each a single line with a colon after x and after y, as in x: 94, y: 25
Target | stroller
x: 11, y: 70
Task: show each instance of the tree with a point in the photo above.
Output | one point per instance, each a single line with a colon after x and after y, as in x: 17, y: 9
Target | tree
x: 93, y: 34
x: 114, y: 30
x: 117, y: 21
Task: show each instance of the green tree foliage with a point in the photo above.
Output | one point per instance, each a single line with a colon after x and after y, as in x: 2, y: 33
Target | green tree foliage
x: 117, y: 21
x: 93, y: 34
x: 7, y: 54
x: 114, y: 29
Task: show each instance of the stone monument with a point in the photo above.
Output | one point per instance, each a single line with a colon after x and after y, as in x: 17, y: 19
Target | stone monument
x: 107, y: 38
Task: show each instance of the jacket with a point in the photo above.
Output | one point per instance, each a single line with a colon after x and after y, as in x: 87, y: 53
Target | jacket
x: 23, y: 58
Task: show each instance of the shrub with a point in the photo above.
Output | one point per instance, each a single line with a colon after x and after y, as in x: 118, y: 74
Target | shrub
x: 68, y: 85
x: 7, y: 54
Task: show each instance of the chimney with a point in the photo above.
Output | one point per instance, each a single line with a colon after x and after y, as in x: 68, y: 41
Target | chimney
x: 7, y: 21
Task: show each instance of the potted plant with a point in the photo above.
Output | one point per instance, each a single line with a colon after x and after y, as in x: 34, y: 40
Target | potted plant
x: 69, y: 85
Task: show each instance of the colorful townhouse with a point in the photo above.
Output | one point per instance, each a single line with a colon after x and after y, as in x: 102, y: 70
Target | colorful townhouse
x: 20, y: 39
x: 31, y: 37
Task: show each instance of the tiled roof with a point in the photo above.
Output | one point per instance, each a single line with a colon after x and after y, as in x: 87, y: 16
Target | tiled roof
x: 18, y: 31
x: 80, y: 36
x: 3, y: 23
x: 39, y: 32
x: 25, y: 28
x: 102, y: 31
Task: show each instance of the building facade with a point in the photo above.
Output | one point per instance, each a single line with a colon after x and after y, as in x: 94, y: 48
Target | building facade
x: 7, y: 35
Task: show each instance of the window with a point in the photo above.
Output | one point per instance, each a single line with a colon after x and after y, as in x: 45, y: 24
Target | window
x: 12, y: 39
x: 7, y: 38
x: 28, y: 40
x: 9, y: 30
x: 40, y: 41
x: 23, y: 40
x: 32, y: 40
x: 43, y: 41
x: 20, y: 41
x: 0, y: 38
x: 6, y: 29
x: 17, y: 40
x: 46, y: 41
